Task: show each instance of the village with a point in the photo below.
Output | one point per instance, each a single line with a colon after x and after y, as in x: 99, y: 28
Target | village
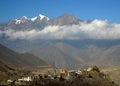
x: 61, y: 77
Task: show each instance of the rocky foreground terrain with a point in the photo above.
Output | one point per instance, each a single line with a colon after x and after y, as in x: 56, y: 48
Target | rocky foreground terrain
x: 91, y: 76
x: 114, y: 73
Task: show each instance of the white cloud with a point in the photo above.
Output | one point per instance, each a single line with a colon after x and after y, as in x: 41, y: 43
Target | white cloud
x: 97, y: 29
x: 0, y: 32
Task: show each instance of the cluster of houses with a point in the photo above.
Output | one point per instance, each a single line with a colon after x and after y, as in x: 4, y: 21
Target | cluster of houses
x: 57, y: 74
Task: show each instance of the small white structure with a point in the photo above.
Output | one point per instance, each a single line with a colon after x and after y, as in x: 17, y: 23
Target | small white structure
x: 9, y: 81
x: 89, y: 69
x: 25, y: 79
x: 79, y: 72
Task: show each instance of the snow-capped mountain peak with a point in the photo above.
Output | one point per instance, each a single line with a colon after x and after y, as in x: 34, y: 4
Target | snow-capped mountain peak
x: 33, y: 19
x: 21, y: 20
x: 24, y: 17
x: 40, y: 17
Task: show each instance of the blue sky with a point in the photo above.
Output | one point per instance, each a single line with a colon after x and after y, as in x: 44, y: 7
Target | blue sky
x: 82, y: 9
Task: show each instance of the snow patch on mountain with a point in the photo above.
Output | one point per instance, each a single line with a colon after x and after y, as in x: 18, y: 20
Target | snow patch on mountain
x: 33, y: 19
x: 40, y: 17
x: 21, y: 20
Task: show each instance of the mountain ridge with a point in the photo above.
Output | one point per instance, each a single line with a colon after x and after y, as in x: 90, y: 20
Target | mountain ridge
x: 16, y: 59
x: 39, y: 22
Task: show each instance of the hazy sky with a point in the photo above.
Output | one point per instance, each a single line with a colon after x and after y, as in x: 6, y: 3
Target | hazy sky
x: 82, y: 9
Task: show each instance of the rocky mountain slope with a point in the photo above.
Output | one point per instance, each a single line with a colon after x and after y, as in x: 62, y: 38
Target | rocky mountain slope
x: 10, y: 57
x: 5, y: 71
x: 66, y: 56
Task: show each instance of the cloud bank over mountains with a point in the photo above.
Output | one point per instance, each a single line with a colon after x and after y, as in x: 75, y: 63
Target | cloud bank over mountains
x: 97, y: 29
